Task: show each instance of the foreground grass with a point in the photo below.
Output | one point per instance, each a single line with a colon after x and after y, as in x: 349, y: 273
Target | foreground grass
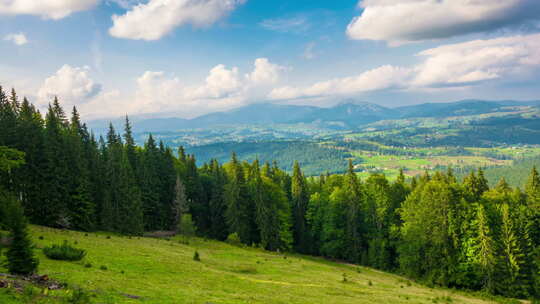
x: 144, y: 270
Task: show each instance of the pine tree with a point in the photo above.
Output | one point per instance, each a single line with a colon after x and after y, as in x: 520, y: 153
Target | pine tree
x: 20, y: 255
x: 299, y: 201
x: 29, y: 176
x: 149, y: 183
x: 130, y: 145
x: 180, y: 205
x: 532, y: 189
x: 53, y: 209
x: 8, y: 121
x: 218, y: 206
x: 238, y: 210
x: 354, y: 215
x: 485, y: 250
x: 81, y: 207
x: 510, y: 281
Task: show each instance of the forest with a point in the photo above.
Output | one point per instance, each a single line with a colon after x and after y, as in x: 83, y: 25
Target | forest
x: 431, y: 228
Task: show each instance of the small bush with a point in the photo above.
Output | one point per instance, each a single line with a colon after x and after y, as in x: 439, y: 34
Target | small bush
x: 344, y: 278
x: 234, y: 239
x: 370, y: 283
x: 196, y: 256
x: 103, y: 267
x: 41, y: 237
x: 88, y: 265
x: 64, y: 252
x: 108, y: 237
x: 79, y: 296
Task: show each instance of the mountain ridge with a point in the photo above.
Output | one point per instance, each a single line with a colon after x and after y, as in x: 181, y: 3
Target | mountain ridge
x: 349, y: 114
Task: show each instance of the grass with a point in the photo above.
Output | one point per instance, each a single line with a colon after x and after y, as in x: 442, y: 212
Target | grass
x: 147, y: 270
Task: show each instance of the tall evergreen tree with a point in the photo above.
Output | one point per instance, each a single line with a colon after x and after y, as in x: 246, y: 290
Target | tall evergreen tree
x: 20, y: 255
x: 238, y: 210
x: 532, y: 189
x: 299, y: 201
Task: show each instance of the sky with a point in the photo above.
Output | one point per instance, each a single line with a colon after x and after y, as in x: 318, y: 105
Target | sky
x: 185, y: 58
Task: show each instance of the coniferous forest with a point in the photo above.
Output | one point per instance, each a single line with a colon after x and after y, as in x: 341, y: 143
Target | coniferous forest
x: 434, y: 228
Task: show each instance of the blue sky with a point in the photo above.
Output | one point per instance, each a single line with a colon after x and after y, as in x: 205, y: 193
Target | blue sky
x: 190, y: 57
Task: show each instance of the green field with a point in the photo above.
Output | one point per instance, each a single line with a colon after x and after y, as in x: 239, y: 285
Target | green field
x: 150, y: 270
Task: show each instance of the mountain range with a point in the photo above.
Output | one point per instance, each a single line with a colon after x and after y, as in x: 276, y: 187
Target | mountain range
x: 348, y: 115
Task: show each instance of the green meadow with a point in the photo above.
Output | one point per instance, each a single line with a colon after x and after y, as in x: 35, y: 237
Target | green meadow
x: 120, y: 269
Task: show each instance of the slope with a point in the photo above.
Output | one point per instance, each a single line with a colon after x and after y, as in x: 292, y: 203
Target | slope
x: 147, y: 270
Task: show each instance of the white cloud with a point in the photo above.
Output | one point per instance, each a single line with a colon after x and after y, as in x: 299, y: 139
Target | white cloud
x: 49, y: 9
x: 380, y: 78
x: 265, y: 72
x: 455, y: 65
x: 159, y: 93
x: 223, y: 88
x: 17, y: 39
x: 401, y: 21
x: 155, y: 19
x: 297, y: 24
x: 480, y: 60
x: 72, y: 85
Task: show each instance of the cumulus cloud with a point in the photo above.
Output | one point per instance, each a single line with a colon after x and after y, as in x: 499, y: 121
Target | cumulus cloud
x: 265, y: 72
x: 17, y: 39
x: 477, y: 61
x: 223, y: 88
x: 455, y: 65
x: 383, y: 77
x: 72, y: 85
x: 155, y: 19
x: 402, y: 21
x: 49, y: 9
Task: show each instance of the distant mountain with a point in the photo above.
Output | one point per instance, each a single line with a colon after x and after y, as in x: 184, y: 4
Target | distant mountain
x: 459, y: 108
x: 348, y: 115
x: 265, y: 113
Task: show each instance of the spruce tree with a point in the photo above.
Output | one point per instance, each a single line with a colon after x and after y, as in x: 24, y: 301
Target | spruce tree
x: 354, y: 215
x: 532, y: 189
x: 20, y: 255
x: 299, y: 203
x: 180, y: 205
x: 238, y: 210
x: 81, y: 207
x: 485, y: 250
x: 218, y: 206
x: 511, y: 263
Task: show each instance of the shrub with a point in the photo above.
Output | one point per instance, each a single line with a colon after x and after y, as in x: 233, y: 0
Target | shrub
x: 196, y: 256
x: 370, y: 283
x: 234, y: 239
x: 64, y: 252
x: 88, y: 265
x: 79, y: 296
x: 103, y: 267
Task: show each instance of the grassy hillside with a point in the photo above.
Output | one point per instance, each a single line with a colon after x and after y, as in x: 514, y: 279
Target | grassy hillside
x: 146, y: 270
